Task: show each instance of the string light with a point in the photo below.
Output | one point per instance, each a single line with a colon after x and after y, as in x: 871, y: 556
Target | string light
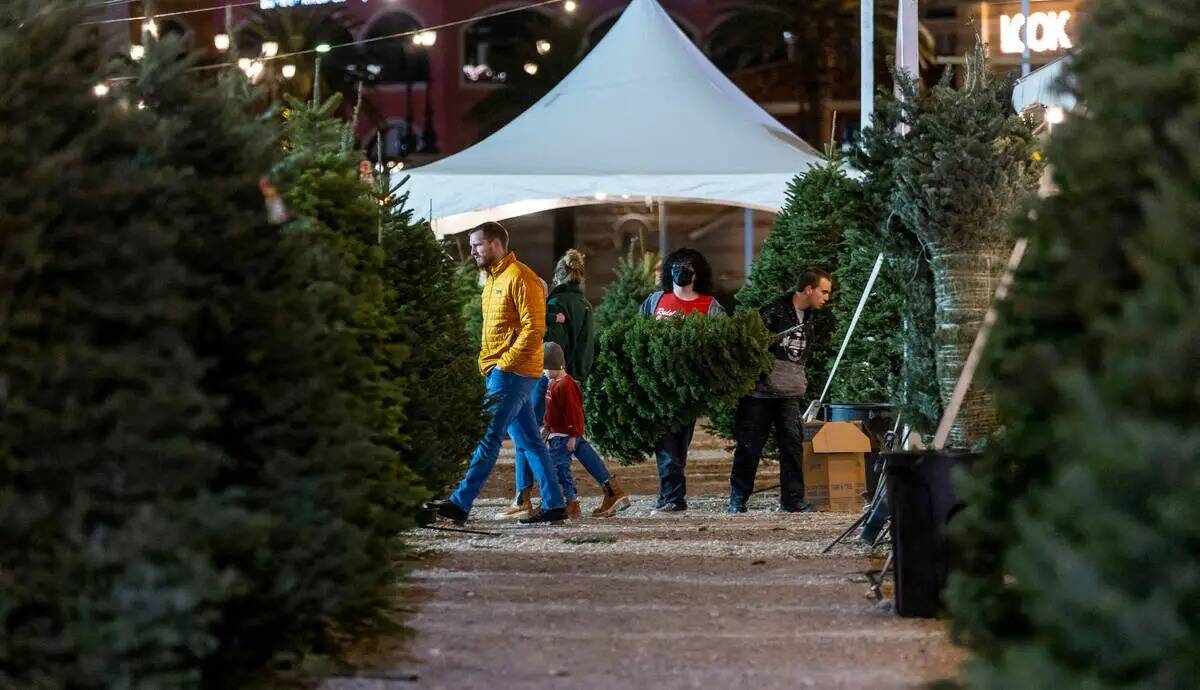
x: 270, y: 49
x: 101, y: 90
x: 570, y: 5
x: 425, y: 38
x: 137, y: 51
x: 325, y: 47
x: 288, y: 71
x: 531, y: 68
x: 176, y: 13
x: 221, y: 41
x: 150, y: 27
x: 1055, y: 115
x: 543, y: 47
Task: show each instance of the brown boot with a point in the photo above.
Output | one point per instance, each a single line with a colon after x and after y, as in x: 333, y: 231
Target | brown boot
x: 614, y: 499
x: 573, y: 510
x: 519, y: 509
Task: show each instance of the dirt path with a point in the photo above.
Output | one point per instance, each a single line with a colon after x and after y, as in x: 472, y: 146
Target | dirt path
x: 698, y: 600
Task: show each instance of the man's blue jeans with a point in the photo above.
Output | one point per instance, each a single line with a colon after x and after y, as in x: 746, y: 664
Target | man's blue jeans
x: 537, y: 399
x: 508, y: 398
x: 588, y: 457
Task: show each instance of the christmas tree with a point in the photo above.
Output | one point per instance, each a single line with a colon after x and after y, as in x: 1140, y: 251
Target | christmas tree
x: 652, y: 376
x: 870, y: 371
x: 290, y: 324
x: 636, y: 279
x: 108, y: 499
x: 962, y: 164
x: 807, y: 234
x: 195, y: 488
x: 1079, y: 537
x: 470, y: 295
x: 443, y: 414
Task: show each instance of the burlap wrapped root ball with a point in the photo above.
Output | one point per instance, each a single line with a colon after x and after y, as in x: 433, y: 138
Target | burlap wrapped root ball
x: 654, y: 376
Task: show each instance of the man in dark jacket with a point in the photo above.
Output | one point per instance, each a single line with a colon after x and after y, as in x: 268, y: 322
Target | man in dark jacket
x: 778, y: 399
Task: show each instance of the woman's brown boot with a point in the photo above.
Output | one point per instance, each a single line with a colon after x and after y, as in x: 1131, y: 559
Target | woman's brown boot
x: 614, y: 499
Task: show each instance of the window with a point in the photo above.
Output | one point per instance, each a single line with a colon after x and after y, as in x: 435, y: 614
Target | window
x: 399, y: 59
x: 496, y: 47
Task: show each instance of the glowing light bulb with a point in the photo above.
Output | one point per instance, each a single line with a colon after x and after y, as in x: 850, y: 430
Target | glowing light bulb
x: 1055, y: 115
x: 270, y: 49
x: 543, y: 47
x: 101, y: 90
x: 137, y: 52
x: 221, y: 41
x: 324, y: 48
x: 244, y: 64
x: 288, y: 71
x: 570, y: 5
x: 150, y: 27
x: 531, y: 68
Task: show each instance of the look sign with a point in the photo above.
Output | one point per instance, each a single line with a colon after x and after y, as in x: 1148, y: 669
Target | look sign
x: 1047, y: 32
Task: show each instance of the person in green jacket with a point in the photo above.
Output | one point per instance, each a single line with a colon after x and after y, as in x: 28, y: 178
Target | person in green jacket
x: 569, y: 318
x: 571, y: 324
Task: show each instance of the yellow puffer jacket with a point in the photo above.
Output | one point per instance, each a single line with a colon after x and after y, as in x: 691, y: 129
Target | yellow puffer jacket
x: 514, y: 319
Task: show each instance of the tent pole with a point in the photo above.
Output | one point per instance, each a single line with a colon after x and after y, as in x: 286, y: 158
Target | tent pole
x: 866, y: 93
x: 747, y: 240
x: 1025, y: 34
x: 662, y: 228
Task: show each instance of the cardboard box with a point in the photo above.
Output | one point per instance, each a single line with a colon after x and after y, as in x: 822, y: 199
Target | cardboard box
x: 835, y: 470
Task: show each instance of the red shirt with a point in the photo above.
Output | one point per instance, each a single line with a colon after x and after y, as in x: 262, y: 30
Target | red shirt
x: 669, y: 305
x: 564, y: 407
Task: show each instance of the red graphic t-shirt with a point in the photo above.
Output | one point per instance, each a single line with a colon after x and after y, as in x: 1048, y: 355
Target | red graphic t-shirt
x: 669, y: 305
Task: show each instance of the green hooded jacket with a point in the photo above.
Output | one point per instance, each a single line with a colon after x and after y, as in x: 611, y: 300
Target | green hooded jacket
x: 576, y: 333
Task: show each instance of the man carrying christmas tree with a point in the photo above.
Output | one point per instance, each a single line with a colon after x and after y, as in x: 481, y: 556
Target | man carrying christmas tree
x: 686, y: 281
x: 514, y: 316
x: 778, y: 399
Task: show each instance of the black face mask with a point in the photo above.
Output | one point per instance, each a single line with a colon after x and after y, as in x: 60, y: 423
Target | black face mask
x: 682, y: 274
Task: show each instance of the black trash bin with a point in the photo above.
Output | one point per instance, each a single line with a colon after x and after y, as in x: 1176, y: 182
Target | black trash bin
x: 922, y: 501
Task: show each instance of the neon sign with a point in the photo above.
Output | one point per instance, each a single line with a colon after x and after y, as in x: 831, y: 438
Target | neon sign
x: 1047, y: 32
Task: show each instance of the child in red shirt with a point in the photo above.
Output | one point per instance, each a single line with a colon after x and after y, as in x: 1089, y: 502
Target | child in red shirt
x: 563, y: 428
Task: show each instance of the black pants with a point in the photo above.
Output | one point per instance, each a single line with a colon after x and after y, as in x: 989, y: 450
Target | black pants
x: 751, y: 425
x: 670, y: 452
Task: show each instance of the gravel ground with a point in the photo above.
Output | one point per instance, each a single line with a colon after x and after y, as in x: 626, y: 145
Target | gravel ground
x: 693, y: 600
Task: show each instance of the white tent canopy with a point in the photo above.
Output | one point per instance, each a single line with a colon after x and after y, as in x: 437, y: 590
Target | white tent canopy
x: 645, y: 114
x: 1041, y: 87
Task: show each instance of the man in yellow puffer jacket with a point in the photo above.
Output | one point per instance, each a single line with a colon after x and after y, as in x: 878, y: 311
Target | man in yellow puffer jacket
x: 514, y: 318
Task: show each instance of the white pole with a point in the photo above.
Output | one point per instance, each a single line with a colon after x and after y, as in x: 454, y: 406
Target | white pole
x: 906, y: 38
x: 968, y: 371
x: 1025, y: 33
x: 662, y: 229
x: 811, y: 413
x: 747, y: 239
x: 866, y: 92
